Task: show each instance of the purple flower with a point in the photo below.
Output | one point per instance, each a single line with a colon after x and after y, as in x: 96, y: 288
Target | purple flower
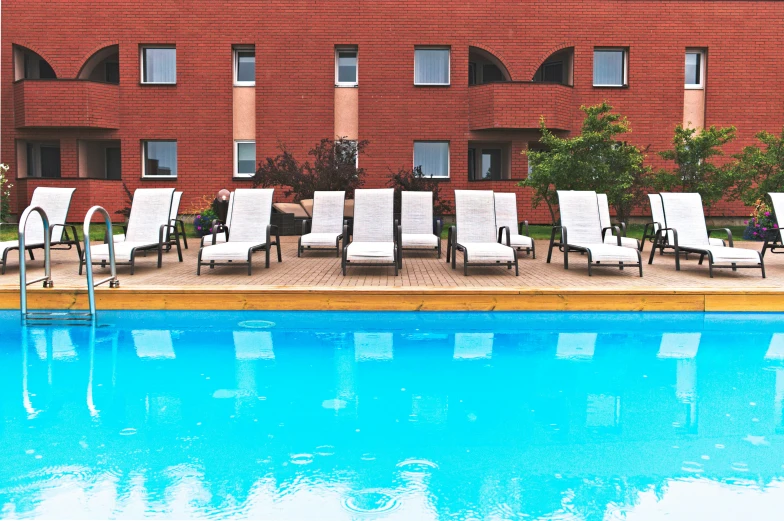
x: 775, y: 226
x: 764, y: 229
x: 198, y: 216
x: 767, y: 214
x: 755, y: 233
x: 745, y: 222
x: 199, y: 228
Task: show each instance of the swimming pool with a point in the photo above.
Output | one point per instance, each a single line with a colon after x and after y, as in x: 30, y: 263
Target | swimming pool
x: 299, y: 415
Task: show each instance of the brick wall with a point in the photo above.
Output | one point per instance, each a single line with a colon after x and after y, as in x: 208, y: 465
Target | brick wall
x: 295, y: 42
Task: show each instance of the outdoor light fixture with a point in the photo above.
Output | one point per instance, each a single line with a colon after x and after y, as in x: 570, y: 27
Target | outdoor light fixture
x: 224, y: 195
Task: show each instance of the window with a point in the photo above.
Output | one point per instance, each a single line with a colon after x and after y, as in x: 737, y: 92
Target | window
x: 159, y: 65
x: 695, y: 69
x: 113, y: 163
x: 488, y: 161
x: 159, y: 159
x: 244, y: 158
x: 43, y: 159
x: 553, y: 71
x: 432, y: 157
x: 346, y: 67
x: 471, y: 73
x: 609, y: 68
x: 245, y: 66
x: 431, y: 67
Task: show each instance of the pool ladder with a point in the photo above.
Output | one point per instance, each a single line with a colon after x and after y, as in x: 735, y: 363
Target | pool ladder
x: 66, y: 315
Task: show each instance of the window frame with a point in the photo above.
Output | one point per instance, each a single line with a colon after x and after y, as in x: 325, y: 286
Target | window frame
x: 143, y: 62
x: 145, y: 175
x: 338, y: 50
x: 236, y: 173
x: 448, y: 157
x: 448, y: 50
x: 624, y: 67
x: 235, y: 50
x: 701, y: 64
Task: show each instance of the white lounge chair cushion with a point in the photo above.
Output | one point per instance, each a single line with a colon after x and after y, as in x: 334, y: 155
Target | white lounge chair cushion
x: 715, y: 241
x: 488, y: 252
x: 727, y: 255
x: 416, y: 216
x: 626, y: 242
x: 320, y: 239
x: 5, y: 245
x: 228, y: 251
x: 122, y: 250
x: 359, y: 251
x: 517, y: 240
x: 610, y: 253
x: 219, y: 238
x: 419, y: 240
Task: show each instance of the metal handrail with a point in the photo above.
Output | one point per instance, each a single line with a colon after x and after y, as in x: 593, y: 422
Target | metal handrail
x: 47, y: 278
x: 112, y: 280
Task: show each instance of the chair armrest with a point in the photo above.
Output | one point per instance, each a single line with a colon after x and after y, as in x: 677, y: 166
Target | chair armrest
x: 398, y: 234
x: 346, y: 239
x: 727, y: 230
x: 163, y: 233
x: 562, y: 230
x: 523, y: 227
x: 501, y: 231
x: 623, y: 228
x: 438, y: 227
x: 306, y: 224
x: 451, y: 235
x: 616, y: 232
x: 663, y: 231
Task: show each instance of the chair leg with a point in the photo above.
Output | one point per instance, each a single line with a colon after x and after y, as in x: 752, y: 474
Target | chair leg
x: 179, y: 248
x: 266, y: 257
x: 439, y: 248
x: 533, y: 249
x: 160, y: 255
x: 250, y: 261
x: 277, y: 245
x: 32, y: 257
x: 182, y: 232
x: 133, y: 261
x: 299, y: 247
x: 762, y: 266
x: 5, y: 262
x: 678, y: 260
x: 566, y: 257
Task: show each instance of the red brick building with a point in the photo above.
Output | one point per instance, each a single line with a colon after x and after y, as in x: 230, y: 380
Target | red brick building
x: 172, y: 93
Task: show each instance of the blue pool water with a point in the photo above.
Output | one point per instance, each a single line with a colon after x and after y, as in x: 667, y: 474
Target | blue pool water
x: 353, y: 416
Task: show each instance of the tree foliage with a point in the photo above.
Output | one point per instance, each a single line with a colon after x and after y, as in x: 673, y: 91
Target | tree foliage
x: 334, y: 167
x: 415, y: 181
x: 693, y: 153
x: 594, y: 160
x: 759, y: 170
x: 5, y: 192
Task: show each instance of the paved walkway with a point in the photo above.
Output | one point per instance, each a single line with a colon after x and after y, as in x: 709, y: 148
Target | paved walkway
x: 420, y: 269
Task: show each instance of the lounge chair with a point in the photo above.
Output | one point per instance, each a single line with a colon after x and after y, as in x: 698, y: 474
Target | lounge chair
x: 773, y: 239
x: 581, y: 231
x: 658, y: 221
x: 476, y: 234
x: 506, y: 216
x: 604, y: 217
x: 55, y: 202
x: 689, y: 234
x: 250, y: 231
x: 218, y: 230
x: 149, y: 228
x: 418, y: 229
x: 325, y: 229
x: 376, y: 237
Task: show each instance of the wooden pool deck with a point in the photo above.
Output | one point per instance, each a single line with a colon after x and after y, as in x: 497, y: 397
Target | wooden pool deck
x: 315, y: 282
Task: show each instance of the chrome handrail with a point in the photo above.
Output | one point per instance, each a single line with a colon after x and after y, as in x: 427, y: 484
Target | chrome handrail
x: 47, y: 278
x: 88, y: 260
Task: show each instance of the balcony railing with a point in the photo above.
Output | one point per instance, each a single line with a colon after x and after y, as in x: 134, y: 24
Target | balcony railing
x: 66, y: 103
x: 520, y: 105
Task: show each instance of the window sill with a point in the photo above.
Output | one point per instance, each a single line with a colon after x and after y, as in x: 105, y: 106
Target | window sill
x: 246, y: 84
x: 158, y: 177
x: 611, y: 86
x: 346, y: 86
x: 147, y: 84
x: 492, y: 180
x: 236, y: 177
x: 693, y: 87
x: 432, y: 84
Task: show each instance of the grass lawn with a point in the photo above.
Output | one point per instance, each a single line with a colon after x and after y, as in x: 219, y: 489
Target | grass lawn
x: 8, y: 232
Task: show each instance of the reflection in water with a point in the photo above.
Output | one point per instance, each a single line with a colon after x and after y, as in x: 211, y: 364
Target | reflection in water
x: 417, y: 416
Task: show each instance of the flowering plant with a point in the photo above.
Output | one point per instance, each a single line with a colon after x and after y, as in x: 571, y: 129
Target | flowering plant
x: 5, y: 193
x: 760, y: 224
x: 204, y: 216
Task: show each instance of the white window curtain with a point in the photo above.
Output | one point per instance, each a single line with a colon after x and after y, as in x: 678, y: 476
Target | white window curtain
x: 692, y: 68
x: 160, y: 65
x: 431, y: 66
x: 161, y: 158
x: 433, y: 157
x: 608, y: 67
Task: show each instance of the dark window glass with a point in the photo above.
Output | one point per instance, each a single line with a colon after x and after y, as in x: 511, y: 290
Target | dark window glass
x: 246, y: 158
x: 160, y: 158
x: 50, y: 161
x: 112, y: 72
x: 347, y: 66
x: 491, y: 73
x: 113, y: 163
x: 553, y: 71
x: 472, y: 164
x: 472, y: 74
x: 491, y: 164
x: 246, y: 66
x: 45, y: 71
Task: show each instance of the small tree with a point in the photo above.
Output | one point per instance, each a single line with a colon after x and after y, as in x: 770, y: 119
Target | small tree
x: 758, y: 171
x: 693, y: 152
x: 416, y: 181
x: 5, y: 193
x: 334, y: 168
x: 595, y: 160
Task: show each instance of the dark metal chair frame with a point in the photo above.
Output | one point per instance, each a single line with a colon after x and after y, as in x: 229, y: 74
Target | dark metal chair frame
x: 438, y: 228
x: 564, y: 246
x: 306, y: 224
x: 523, y: 227
x: 179, y: 231
x: 773, y: 242
x: 398, y: 251
x: 271, y: 228
x: 453, y: 247
x: 677, y: 249
x: 163, y: 240
x: 67, y: 242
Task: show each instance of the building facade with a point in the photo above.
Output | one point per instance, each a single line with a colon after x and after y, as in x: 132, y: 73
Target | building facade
x: 150, y: 94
